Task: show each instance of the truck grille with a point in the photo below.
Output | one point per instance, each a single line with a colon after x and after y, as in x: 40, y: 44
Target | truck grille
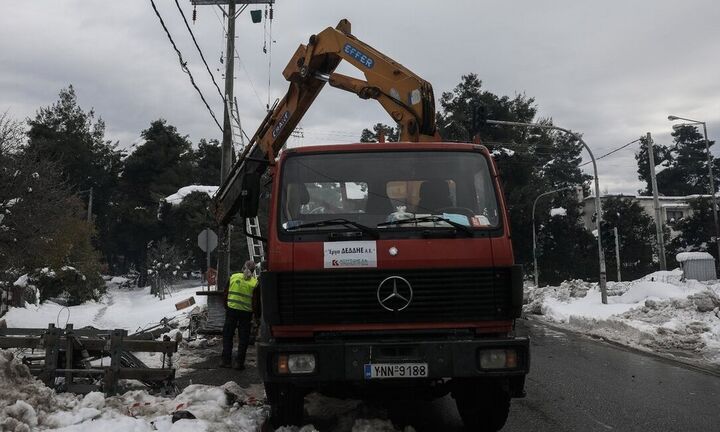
x: 346, y: 297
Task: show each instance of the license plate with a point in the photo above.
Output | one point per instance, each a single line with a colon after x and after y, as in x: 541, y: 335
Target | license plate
x: 396, y: 370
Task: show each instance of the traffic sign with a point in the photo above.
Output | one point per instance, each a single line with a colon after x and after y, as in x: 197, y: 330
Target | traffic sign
x: 207, y: 240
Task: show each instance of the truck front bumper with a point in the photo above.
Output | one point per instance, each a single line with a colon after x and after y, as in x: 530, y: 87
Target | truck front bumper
x: 344, y: 361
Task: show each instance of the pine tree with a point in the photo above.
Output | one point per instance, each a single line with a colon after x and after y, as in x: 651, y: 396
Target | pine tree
x: 206, y: 162
x: 636, y: 232
x: 391, y: 134
x: 696, y: 232
x: 530, y: 161
x: 684, y: 165
x: 75, y: 141
x: 156, y: 169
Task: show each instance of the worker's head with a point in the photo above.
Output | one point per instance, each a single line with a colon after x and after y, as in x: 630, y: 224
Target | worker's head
x: 248, y: 268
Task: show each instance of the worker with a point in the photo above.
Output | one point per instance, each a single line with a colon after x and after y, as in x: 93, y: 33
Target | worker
x: 238, y: 314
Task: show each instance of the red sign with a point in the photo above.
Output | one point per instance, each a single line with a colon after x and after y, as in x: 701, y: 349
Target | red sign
x: 211, y: 276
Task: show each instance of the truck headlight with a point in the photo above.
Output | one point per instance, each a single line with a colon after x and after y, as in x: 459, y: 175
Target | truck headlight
x: 498, y: 359
x: 296, y: 363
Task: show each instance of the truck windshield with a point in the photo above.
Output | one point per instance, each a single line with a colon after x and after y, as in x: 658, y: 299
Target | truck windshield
x: 401, y: 190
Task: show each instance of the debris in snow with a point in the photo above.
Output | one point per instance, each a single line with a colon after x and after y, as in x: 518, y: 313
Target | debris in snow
x: 558, y: 211
x: 22, y: 281
x: 26, y: 404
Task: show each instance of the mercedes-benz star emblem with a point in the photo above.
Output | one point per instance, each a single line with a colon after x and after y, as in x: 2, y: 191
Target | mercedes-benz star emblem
x: 394, y: 293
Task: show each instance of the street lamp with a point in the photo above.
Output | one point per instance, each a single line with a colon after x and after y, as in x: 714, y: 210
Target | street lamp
x: 598, y: 205
x: 710, y: 174
x: 535, y: 264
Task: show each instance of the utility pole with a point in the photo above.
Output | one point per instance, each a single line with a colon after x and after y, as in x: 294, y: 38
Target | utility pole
x: 617, y: 254
x: 89, y: 215
x: 656, y: 204
x: 598, y: 202
x: 226, y: 159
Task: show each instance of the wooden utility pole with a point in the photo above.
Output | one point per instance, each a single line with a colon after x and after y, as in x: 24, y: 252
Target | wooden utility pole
x: 223, y: 273
x: 617, y: 254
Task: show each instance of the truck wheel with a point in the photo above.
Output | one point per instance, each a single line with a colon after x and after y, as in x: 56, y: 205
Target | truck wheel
x: 482, y: 409
x: 286, y: 404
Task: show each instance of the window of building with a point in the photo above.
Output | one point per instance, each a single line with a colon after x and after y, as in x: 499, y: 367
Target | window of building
x: 673, y: 215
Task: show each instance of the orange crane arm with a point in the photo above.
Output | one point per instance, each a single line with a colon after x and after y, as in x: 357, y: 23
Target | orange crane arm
x: 405, y: 96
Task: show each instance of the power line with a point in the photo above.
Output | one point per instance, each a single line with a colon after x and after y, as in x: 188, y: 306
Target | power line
x: 183, y: 64
x: 612, y: 151
x: 242, y: 64
x: 202, y: 56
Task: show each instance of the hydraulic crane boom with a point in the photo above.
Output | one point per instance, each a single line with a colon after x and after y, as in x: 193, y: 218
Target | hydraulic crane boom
x: 405, y: 96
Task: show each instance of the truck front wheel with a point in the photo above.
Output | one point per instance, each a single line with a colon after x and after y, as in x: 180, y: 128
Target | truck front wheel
x: 286, y: 404
x: 482, y: 407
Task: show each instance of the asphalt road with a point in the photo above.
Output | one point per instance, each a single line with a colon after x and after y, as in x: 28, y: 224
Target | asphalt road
x: 580, y: 384
x: 575, y: 384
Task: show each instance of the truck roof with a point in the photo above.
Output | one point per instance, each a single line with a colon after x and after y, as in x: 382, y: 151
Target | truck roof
x: 387, y: 146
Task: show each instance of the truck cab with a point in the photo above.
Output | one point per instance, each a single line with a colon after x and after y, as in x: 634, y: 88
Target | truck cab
x: 390, y: 273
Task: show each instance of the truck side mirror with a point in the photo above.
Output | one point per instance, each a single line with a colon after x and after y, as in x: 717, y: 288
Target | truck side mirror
x: 250, y: 195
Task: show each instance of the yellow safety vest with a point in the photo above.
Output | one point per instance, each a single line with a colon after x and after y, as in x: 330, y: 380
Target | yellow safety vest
x: 240, y: 292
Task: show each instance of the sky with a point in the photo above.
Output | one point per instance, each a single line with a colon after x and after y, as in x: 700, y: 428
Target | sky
x: 611, y: 70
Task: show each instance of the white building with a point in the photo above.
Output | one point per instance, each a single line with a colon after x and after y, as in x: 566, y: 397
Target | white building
x: 672, y: 208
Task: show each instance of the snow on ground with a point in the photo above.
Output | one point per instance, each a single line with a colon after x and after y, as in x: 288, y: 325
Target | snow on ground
x: 658, y: 312
x: 26, y: 404
x: 129, y: 309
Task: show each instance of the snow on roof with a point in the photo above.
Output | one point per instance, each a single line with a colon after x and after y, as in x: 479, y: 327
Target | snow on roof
x: 558, y: 211
x: 178, y: 197
x: 503, y: 150
x: 688, y: 256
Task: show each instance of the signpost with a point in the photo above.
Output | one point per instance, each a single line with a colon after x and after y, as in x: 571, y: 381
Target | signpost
x: 207, y: 241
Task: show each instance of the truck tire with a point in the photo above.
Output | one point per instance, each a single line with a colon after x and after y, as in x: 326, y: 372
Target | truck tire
x: 482, y: 408
x: 286, y: 404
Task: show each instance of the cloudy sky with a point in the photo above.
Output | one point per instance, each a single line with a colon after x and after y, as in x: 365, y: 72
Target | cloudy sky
x: 611, y: 70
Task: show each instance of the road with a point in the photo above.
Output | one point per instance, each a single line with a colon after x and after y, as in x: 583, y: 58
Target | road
x: 575, y: 384
x: 579, y: 384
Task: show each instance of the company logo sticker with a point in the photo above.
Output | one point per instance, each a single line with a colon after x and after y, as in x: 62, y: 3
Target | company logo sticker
x: 281, y: 124
x: 358, y: 55
x: 356, y: 254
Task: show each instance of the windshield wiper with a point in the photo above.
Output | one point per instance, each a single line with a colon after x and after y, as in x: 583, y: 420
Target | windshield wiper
x: 339, y: 221
x: 453, y: 224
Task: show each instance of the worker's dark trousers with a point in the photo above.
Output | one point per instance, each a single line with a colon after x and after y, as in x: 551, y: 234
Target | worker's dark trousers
x: 241, y: 320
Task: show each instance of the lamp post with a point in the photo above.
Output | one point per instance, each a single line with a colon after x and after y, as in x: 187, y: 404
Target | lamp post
x: 535, y: 264
x: 710, y: 175
x: 598, y: 205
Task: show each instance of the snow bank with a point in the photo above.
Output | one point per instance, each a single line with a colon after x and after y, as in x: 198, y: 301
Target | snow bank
x: 178, y: 197
x: 129, y: 309
x: 658, y: 312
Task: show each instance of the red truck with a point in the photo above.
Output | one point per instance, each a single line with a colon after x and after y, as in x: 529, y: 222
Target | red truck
x: 389, y: 267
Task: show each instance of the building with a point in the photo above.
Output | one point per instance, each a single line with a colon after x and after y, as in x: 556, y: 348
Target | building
x: 672, y: 208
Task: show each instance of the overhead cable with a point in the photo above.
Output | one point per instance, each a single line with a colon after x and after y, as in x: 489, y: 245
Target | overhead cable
x: 612, y: 151
x: 202, y: 56
x: 183, y: 64
x: 242, y: 65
